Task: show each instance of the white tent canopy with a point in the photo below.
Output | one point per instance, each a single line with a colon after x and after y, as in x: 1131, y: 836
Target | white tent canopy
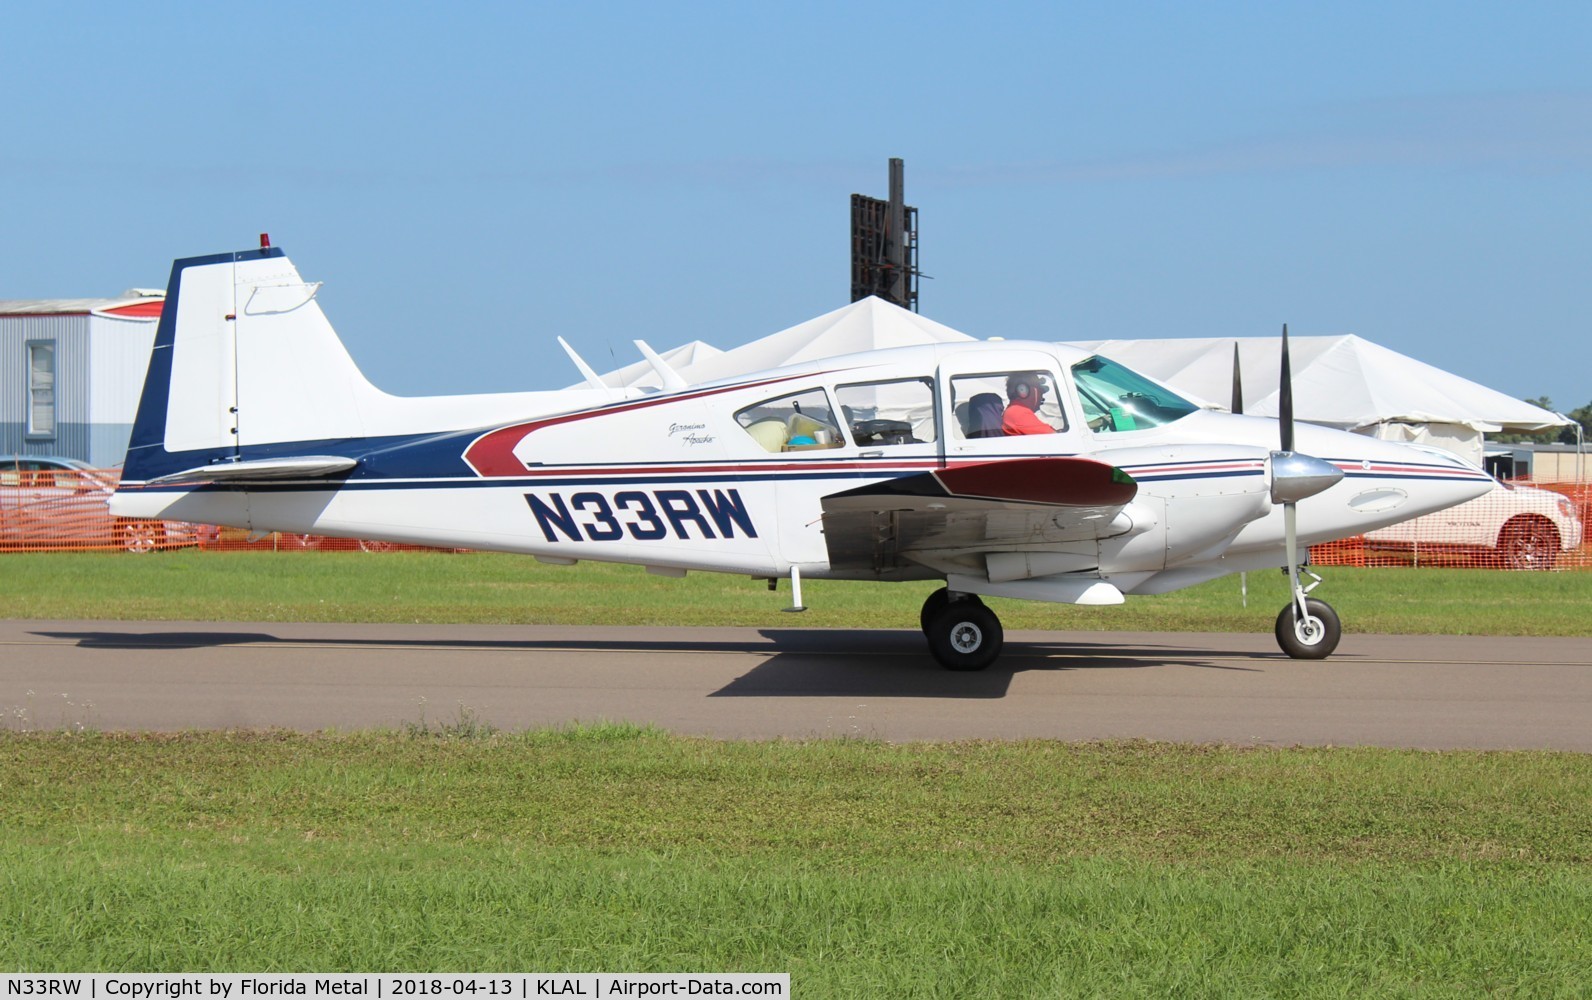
x: 1343, y: 381
x: 866, y: 325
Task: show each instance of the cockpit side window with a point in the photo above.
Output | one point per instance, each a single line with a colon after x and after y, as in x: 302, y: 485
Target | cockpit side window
x: 1119, y: 399
x: 982, y: 404
x: 900, y: 411
x: 801, y: 421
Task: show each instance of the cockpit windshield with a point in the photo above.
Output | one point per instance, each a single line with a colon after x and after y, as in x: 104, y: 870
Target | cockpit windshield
x: 1120, y: 399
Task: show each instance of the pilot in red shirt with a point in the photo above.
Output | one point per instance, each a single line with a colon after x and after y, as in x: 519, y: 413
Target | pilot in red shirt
x: 1026, y: 390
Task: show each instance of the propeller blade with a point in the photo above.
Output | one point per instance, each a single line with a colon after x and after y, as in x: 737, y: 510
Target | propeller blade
x: 1285, y: 415
x: 1238, y: 383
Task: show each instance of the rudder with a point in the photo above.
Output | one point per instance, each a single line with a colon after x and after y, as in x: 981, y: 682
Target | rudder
x: 243, y: 358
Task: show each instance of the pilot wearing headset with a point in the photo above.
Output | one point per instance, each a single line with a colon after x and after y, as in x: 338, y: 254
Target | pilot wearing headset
x: 1026, y: 391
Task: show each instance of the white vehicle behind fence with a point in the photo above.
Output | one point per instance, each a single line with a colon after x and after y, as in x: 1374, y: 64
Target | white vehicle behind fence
x: 1522, y: 527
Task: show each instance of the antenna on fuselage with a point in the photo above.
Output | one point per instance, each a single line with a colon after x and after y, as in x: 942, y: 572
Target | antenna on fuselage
x: 592, y: 378
x: 671, y: 378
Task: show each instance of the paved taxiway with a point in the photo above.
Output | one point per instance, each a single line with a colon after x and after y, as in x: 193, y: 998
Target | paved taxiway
x: 1401, y: 691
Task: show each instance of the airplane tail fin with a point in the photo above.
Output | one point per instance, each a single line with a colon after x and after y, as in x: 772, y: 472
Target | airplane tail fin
x: 243, y: 359
x: 248, y: 380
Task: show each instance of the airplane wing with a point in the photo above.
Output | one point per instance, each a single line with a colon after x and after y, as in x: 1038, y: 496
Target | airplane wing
x: 984, y: 507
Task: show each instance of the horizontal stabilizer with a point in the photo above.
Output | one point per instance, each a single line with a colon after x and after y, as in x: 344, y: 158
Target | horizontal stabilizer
x: 296, y: 467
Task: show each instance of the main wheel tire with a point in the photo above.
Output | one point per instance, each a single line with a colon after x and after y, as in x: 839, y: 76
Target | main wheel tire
x: 1313, y: 639
x: 965, y: 635
x: 1527, y: 543
x: 936, y: 602
x: 141, y: 537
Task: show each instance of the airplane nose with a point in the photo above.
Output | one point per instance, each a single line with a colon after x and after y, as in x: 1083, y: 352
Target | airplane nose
x: 1295, y: 477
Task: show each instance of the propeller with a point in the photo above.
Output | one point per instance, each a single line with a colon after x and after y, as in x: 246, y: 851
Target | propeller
x: 1294, y: 477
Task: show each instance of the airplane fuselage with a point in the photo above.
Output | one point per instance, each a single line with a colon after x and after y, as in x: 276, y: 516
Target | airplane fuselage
x: 1020, y: 469
x: 676, y: 482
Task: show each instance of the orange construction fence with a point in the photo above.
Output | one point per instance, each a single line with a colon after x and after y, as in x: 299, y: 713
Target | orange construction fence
x: 1518, y: 526
x: 63, y: 509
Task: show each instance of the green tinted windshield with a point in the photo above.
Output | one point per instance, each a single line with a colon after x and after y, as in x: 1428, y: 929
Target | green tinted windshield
x: 1120, y: 399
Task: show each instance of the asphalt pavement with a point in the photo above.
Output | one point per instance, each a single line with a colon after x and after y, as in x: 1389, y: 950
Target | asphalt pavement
x: 1435, y: 692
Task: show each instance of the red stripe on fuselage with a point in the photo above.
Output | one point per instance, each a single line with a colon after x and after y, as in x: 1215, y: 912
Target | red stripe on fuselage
x: 492, y: 454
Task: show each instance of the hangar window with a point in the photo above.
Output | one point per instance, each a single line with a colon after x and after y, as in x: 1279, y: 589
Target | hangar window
x: 801, y: 421
x: 41, y: 389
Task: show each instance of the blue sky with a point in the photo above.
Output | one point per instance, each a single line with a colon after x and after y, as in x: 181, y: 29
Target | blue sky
x: 471, y: 180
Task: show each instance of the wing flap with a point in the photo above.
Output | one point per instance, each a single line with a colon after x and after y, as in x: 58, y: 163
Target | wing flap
x: 1010, y: 505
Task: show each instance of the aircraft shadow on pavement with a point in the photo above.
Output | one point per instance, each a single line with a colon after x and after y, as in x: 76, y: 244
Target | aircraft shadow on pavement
x: 204, y: 640
x: 819, y: 663
x: 806, y: 663
x: 162, y: 640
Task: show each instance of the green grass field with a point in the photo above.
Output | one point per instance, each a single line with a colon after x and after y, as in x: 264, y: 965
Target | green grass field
x: 495, y: 588
x: 1025, y: 869
x: 948, y: 870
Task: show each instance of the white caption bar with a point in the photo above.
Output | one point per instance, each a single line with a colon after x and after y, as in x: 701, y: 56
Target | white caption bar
x: 390, y: 986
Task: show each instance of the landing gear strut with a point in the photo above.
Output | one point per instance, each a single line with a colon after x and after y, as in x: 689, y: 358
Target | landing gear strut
x: 963, y: 634
x: 1307, y: 629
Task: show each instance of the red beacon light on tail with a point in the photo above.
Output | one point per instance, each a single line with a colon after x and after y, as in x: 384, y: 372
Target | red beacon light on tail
x: 265, y: 241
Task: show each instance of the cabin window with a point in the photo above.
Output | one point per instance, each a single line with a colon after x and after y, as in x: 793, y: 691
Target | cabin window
x: 41, y: 389
x: 801, y: 421
x: 981, y: 401
x: 900, y: 411
x: 1120, y: 399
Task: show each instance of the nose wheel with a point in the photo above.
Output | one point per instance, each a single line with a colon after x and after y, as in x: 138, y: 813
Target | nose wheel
x: 1311, y: 636
x: 963, y: 634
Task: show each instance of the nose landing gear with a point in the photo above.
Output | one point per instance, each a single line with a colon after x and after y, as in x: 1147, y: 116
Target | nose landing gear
x: 1312, y: 636
x: 1307, y: 629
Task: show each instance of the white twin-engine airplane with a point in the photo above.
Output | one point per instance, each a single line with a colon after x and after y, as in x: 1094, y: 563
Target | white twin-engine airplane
x: 887, y: 465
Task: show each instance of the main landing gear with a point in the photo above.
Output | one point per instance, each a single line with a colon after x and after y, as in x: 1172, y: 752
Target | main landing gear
x: 963, y: 634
